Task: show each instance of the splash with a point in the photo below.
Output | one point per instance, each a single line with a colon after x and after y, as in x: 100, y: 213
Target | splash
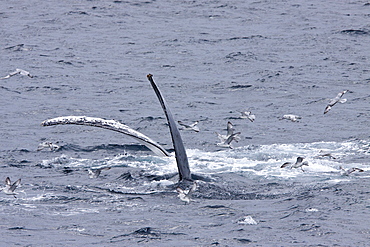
x: 254, y: 162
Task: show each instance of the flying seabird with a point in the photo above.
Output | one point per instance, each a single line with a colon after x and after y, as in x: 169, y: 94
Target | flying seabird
x: 291, y: 117
x: 325, y: 155
x: 230, y: 131
x: 337, y: 99
x: 185, y: 195
x: 9, y: 187
x: 225, y: 140
x: 192, y: 126
x: 94, y: 173
x: 297, y: 164
x: 248, y: 114
x: 227, y: 143
x: 17, y: 71
x: 345, y: 172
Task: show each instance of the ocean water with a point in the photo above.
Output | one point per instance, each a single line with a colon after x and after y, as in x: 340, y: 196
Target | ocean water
x: 211, y: 60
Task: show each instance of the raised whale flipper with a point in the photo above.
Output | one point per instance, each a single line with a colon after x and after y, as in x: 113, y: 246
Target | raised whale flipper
x: 180, y: 153
x: 111, y: 125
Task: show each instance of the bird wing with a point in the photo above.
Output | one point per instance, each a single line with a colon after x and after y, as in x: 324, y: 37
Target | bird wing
x: 251, y: 117
x: 327, y: 109
x: 285, y: 164
x: 192, y: 189
x: 222, y: 138
x: 230, y: 129
x: 183, y: 124
x: 8, y: 182
x: 15, y: 185
x: 194, y: 126
x: 232, y: 137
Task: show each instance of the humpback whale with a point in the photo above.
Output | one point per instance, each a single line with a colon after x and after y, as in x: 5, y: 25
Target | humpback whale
x: 111, y: 125
x: 180, y: 153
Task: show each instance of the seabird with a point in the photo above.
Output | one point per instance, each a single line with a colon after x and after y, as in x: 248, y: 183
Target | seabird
x: 9, y: 187
x: 184, y: 195
x: 192, y: 126
x: 230, y: 131
x: 50, y: 145
x: 297, y: 164
x: 94, y: 173
x: 337, y: 99
x: 326, y: 155
x: 17, y: 71
x: 248, y: 114
x: 345, y: 172
x: 291, y: 117
x: 227, y: 143
x: 247, y: 220
x: 225, y: 140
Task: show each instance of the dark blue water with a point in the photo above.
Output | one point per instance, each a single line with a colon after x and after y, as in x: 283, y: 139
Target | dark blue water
x: 211, y: 59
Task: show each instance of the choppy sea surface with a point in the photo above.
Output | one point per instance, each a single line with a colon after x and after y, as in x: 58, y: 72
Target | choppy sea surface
x: 211, y: 60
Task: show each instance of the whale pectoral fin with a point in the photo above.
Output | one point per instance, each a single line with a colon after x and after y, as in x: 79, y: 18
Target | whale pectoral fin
x: 111, y: 125
x: 181, y: 157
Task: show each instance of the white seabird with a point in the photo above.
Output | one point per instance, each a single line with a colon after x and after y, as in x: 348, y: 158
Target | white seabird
x: 225, y: 140
x: 9, y: 187
x: 291, y: 117
x: 230, y: 131
x: 50, y: 145
x: 17, y: 71
x: 94, y: 173
x: 337, y: 99
x: 227, y: 143
x: 249, y: 115
x: 247, y: 220
x: 185, y: 195
x: 298, y: 164
x: 322, y: 154
x: 345, y: 172
x: 192, y: 126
